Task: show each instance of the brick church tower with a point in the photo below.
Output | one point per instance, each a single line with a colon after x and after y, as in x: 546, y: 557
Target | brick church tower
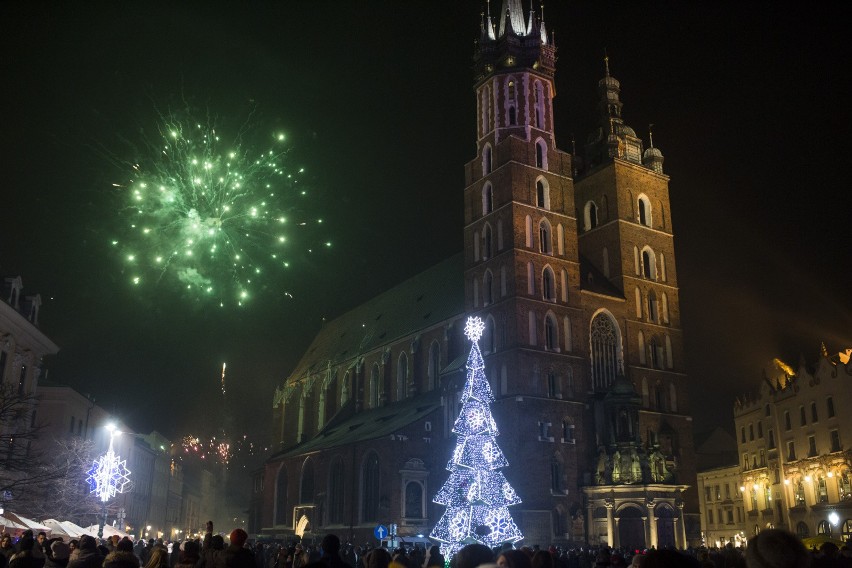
x: 570, y: 262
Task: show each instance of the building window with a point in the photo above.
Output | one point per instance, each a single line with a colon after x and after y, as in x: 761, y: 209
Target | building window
x: 402, y: 377
x: 487, y: 288
x: 829, y: 403
x: 791, y: 450
x: 487, y: 199
x: 567, y: 432
x: 753, y: 499
x: 767, y: 497
x: 513, y: 116
x: 766, y: 410
x: 545, y: 244
x: 771, y: 439
x: 824, y: 527
x: 653, y: 313
x: 540, y: 155
x: 799, y: 493
x: 802, y: 530
x: 707, y: 495
x: 374, y: 387
x: 835, y: 440
x: 539, y: 193
x: 803, y: 419
x: 548, y: 284
x: 822, y: 490
x: 486, y: 160
x: 370, y: 488
x: 845, y: 485
x: 760, y: 429
x: 710, y: 516
x: 605, y: 342
x: 413, y: 500
x: 335, y: 492
x: 281, y: 497
x: 552, y: 386
x: 644, y: 210
x: 649, y: 265
x: 787, y: 422
x: 812, y: 449
x: 814, y: 415
x: 551, y: 339
x: 306, y: 488
x: 590, y: 215
x: 434, y: 364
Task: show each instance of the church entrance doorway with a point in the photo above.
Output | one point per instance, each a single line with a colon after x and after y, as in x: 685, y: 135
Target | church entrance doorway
x: 631, y: 528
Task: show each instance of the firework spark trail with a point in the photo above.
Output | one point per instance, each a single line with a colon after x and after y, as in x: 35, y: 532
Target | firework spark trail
x: 210, y: 215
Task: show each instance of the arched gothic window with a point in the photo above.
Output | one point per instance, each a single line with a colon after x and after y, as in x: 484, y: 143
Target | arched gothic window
x: 335, y: 492
x: 551, y: 333
x: 649, y: 264
x: 548, y: 284
x: 434, y: 364
x: 545, y: 242
x: 402, y: 377
x: 486, y: 160
x: 370, y: 488
x: 539, y: 193
x: 487, y: 199
x: 605, y: 350
x: 653, y: 309
x: 540, y: 155
x: 374, y: 387
x: 306, y: 488
x: 281, y: 497
x: 644, y: 210
x: 590, y: 216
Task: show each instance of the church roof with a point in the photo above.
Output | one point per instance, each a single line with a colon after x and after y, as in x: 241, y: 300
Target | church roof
x: 371, y: 424
x: 425, y: 300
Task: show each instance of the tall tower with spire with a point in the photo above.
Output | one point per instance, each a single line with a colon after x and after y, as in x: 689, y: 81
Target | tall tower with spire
x: 570, y: 262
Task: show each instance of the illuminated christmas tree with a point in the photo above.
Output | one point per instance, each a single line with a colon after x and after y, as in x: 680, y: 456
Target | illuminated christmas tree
x: 477, y: 495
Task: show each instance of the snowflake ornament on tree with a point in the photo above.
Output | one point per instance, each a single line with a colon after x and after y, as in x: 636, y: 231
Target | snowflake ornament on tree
x: 476, y: 495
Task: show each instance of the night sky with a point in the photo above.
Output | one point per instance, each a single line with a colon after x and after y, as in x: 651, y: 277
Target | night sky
x: 750, y: 106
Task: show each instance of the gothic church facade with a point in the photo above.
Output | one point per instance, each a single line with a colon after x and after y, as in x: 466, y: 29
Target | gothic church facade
x: 570, y: 262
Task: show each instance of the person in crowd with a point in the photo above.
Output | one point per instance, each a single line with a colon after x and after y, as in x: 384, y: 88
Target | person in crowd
x: 122, y: 555
x: 158, y: 558
x: 189, y: 556
x: 515, y: 559
x: 237, y: 555
x: 473, y: 555
x: 174, y: 555
x: 542, y: 559
x: 57, y: 554
x: 776, y: 548
x: 87, y: 554
x: 24, y: 557
x: 377, y: 558
x: 7, y: 549
x: 331, y: 552
x: 434, y: 558
x: 211, y: 549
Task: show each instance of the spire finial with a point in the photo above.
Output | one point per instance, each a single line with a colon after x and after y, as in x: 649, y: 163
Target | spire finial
x: 488, y: 4
x: 651, y: 134
x: 541, y: 8
x: 606, y: 62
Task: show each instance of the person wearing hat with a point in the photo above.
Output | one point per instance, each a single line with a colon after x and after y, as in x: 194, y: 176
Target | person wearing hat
x: 56, y: 554
x: 88, y: 555
x: 237, y: 555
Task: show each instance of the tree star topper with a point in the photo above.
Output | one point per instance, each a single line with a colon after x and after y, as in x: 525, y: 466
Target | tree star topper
x: 473, y: 328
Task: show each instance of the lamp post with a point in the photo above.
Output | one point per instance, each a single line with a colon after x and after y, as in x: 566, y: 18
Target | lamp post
x: 108, y: 476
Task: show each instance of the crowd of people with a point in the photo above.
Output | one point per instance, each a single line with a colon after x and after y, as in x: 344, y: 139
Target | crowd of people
x: 769, y: 549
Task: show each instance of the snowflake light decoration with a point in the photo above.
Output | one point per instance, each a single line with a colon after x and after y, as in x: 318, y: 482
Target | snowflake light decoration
x: 109, y: 475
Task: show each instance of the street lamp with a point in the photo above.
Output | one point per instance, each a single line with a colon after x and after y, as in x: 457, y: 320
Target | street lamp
x: 108, y: 476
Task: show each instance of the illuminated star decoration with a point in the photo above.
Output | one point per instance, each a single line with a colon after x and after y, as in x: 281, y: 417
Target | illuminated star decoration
x: 477, y: 495
x: 213, y: 216
x: 109, y: 475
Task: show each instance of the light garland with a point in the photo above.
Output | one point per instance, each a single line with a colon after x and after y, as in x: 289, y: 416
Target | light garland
x: 477, y: 495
